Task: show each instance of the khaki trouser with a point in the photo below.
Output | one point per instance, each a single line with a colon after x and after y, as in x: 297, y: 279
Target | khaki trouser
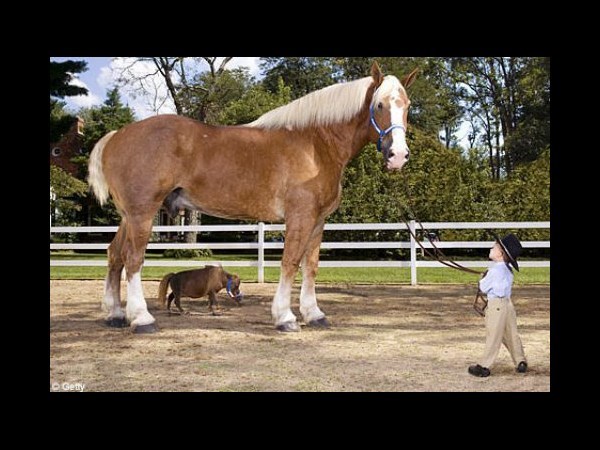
x: 501, y: 326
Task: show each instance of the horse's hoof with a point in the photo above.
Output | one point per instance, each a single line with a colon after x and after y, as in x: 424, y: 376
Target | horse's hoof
x: 148, y: 328
x: 319, y: 323
x: 288, y: 327
x: 116, y: 322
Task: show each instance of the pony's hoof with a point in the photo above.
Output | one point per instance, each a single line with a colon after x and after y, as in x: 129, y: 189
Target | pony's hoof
x: 320, y: 323
x: 148, y: 328
x: 288, y: 327
x: 116, y: 322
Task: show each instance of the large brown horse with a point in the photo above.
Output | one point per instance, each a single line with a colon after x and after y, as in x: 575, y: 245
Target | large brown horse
x: 285, y: 166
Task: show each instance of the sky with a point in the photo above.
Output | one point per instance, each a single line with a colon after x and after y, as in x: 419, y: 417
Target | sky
x: 103, y: 71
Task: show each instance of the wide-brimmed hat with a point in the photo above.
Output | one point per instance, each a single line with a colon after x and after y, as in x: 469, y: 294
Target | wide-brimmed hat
x: 511, y: 246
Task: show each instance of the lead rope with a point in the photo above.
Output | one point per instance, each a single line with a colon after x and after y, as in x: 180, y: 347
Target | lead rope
x: 449, y: 262
x: 480, y: 302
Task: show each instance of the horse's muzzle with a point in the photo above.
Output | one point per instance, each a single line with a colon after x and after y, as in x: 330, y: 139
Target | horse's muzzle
x: 396, y: 161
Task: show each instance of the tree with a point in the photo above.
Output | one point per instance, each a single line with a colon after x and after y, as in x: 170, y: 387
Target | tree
x: 531, y: 136
x: 67, y: 193
x: 301, y: 74
x: 253, y: 103
x: 525, y: 195
x: 509, y: 97
x: 219, y: 91
x: 111, y: 115
x: 62, y: 75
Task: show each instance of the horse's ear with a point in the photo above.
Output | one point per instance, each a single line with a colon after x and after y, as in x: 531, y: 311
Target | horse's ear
x: 410, y: 78
x: 376, y: 74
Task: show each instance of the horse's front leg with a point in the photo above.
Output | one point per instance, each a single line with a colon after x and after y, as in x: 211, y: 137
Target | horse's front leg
x: 299, y: 227
x: 311, y: 313
x: 213, y: 303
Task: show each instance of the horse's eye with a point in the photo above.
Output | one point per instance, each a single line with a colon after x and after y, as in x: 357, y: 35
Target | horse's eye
x: 380, y: 105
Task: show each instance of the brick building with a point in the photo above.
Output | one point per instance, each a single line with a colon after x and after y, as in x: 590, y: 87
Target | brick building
x: 69, y: 145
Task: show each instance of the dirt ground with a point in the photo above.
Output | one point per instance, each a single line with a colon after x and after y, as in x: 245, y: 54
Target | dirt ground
x: 383, y: 338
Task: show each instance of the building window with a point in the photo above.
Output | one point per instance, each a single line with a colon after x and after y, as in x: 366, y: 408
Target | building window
x: 56, y: 151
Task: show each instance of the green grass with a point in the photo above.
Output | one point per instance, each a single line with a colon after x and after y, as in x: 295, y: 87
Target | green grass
x: 357, y: 275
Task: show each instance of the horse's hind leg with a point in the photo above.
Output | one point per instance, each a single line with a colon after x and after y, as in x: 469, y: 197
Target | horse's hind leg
x: 169, y: 300
x: 112, y: 286
x: 139, y: 228
x: 178, y: 302
x: 311, y: 313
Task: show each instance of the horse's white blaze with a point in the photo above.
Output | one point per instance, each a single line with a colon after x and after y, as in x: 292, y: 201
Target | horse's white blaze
x: 281, y: 302
x: 112, y: 301
x: 137, y: 310
x: 308, y: 299
x: 399, y: 148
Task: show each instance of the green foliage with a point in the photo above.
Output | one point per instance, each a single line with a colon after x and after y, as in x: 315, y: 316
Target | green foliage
x: 62, y: 74
x: 532, y: 134
x: 65, y: 185
x: 99, y: 120
x: 525, y: 195
x: 210, y: 93
x: 68, y: 192
x: 253, y: 103
x: 301, y: 74
x: 508, y: 100
x: 60, y: 120
x: 187, y: 253
x: 443, y: 185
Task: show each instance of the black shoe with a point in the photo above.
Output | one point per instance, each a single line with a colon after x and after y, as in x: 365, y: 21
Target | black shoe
x: 479, y: 371
x: 522, y: 367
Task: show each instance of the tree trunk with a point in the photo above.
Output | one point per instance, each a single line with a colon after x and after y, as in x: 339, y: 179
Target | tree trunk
x: 191, y: 218
x: 498, y: 160
x: 165, y: 67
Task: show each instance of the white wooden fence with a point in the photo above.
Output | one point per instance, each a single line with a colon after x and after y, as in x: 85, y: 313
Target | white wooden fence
x: 260, y: 245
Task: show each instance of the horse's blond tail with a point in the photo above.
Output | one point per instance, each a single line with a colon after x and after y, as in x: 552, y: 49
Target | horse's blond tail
x: 162, y: 289
x: 96, y: 178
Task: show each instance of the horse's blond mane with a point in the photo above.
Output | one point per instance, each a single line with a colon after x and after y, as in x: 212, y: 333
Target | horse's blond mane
x: 334, y: 104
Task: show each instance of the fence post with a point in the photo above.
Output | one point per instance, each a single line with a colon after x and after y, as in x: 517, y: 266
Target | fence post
x: 413, y: 254
x: 261, y: 252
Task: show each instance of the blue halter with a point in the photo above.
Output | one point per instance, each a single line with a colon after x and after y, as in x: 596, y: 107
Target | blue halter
x: 382, y: 133
x: 229, y: 283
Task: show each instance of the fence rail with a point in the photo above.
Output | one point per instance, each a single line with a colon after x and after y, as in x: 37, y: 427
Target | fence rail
x: 260, y: 245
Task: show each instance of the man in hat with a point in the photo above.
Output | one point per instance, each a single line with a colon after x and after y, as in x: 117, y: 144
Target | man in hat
x: 500, y: 317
